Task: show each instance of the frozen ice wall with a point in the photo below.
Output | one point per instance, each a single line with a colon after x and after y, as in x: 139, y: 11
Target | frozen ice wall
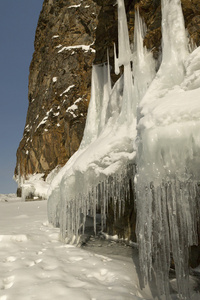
x: 168, y: 204
x: 100, y: 169
x: 165, y: 107
x: 107, y: 149
x: 104, y: 164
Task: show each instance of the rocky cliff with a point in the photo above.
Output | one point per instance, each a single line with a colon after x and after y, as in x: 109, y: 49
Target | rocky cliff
x: 70, y: 36
x: 59, y: 85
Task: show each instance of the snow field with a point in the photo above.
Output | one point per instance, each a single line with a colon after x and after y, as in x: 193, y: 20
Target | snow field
x: 34, y: 264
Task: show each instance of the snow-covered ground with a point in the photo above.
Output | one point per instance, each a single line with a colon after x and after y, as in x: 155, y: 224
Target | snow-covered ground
x: 34, y: 264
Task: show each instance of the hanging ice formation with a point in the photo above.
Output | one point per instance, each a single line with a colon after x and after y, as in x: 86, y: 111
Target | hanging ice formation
x: 104, y: 164
x: 168, y: 161
x: 167, y: 109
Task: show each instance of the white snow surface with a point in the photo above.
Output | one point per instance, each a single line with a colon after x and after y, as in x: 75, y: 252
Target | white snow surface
x: 36, y: 265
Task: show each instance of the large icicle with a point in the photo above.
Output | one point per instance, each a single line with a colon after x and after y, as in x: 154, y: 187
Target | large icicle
x: 168, y: 161
x: 123, y: 36
x: 143, y: 61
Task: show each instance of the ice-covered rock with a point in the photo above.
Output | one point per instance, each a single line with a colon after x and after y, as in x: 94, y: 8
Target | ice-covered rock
x: 157, y: 117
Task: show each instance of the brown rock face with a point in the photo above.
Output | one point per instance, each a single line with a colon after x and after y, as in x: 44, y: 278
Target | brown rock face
x: 59, y: 85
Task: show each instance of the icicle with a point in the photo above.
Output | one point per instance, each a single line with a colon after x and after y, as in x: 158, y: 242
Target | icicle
x: 116, y: 63
x: 143, y: 61
x: 174, y: 41
x: 123, y: 36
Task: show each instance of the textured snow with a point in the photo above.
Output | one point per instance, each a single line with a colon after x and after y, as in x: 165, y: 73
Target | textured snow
x: 36, y: 265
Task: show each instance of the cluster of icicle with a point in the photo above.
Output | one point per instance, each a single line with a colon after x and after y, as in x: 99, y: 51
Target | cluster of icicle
x: 114, y: 190
x: 102, y: 169
x: 168, y: 192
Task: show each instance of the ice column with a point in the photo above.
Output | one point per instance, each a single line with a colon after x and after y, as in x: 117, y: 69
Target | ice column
x: 174, y: 42
x: 76, y: 183
x: 125, y: 57
x: 143, y: 61
x: 167, y: 190
x: 100, y: 94
x: 123, y: 36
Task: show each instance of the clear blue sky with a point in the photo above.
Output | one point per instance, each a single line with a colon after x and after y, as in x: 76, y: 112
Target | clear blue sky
x: 18, y: 22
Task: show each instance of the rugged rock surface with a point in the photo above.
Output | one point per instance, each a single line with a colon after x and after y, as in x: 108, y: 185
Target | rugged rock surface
x: 67, y: 36
x: 59, y: 85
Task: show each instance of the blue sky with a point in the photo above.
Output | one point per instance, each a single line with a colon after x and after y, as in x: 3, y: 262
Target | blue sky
x: 18, y: 22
